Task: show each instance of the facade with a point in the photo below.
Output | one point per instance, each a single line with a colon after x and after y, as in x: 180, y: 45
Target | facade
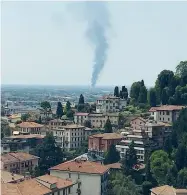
x: 69, y: 136
x: 168, y: 190
x: 43, y: 185
x: 90, y: 178
x: 18, y: 162
x: 54, y: 124
x: 30, y: 128
x: 137, y: 123
x: 97, y: 120
x: 166, y: 113
x: 22, y: 143
x: 100, y: 143
x: 110, y: 103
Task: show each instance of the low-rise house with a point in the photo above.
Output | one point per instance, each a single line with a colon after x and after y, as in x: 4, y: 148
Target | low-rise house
x: 24, y: 143
x: 30, y: 128
x: 99, y: 143
x: 168, y: 190
x: 110, y: 103
x: 166, y: 113
x: 18, y: 162
x: 7, y: 177
x: 89, y: 177
x: 14, y: 118
x: 138, y: 123
x: 97, y: 120
x: 43, y: 185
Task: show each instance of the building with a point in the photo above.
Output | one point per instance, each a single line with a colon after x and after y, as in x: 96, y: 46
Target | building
x: 30, y: 128
x: 168, y: 190
x: 56, y: 123
x: 166, y: 113
x: 22, y: 143
x: 43, y: 185
x: 14, y: 118
x: 97, y: 120
x: 110, y: 103
x: 90, y: 178
x: 7, y: 177
x: 18, y: 162
x: 100, y: 143
x: 137, y: 123
x: 69, y: 136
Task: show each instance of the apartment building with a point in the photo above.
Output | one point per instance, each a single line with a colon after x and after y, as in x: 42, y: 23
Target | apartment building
x: 168, y: 190
x: 55, y: 123
x: 90, y: 178
x: 100, y: 143
x: 18, y: 162
x: 22, y: 143
x: 166, y: 113
x: 30, y: 128
x: 69, y: 136
x: 97, y: 120
x: 43, y: 185
x: 110, y: 103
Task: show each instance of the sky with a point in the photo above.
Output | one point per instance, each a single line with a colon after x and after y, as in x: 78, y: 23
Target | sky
x: 44, y: 42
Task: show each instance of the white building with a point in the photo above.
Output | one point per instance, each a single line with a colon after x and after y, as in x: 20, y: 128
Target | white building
x: 110, y: 104
x: 90, y: 178
x: 166, y: 113
x: 69, y: 136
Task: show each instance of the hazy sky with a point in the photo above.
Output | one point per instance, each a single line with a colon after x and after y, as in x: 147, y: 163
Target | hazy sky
x: 44, y: 43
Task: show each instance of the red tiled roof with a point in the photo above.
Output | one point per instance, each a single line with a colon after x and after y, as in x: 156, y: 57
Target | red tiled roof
x: 166, y: 108
x: 16, y: 156
x: 107, y: 136
x: 34, y: 187
x: 81, y: 167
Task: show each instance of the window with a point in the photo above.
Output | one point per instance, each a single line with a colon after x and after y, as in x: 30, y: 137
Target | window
x: 160, y: 113
x: 163, y: 119
x: 69, y: 175
x: 168, y: 119
x: 152, y: 113
x: 69, y: 190
x: 163, y: 112
x: 167, y: 112
x: 160, y: 119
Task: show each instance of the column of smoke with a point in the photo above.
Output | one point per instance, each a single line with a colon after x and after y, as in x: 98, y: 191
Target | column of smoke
x: 97, y: 16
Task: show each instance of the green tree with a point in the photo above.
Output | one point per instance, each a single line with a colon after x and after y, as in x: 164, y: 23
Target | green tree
x: 40, y: 120
x: 50, y: 154
x: 108, y: 126
x: 81, y: 99
x: 146, y: 186
x: 160, y: 164
x: 181, y: 71
x: 124, y: 93
x: 25, y: 117
x: 182, y: 178
x: 171, y: 176
x: 168, y: 145
x: 112, y: 156
x: 116, y: 91
x: 59, y: 110
x: 68, y: 106
x: 152, y: 99
x: 81, y: 105
x: 181, y: 156
x: 129, y: 160
x: 165, y: 96
x: 142, y: 98
x: 135, y: 90
x: 46, y: 107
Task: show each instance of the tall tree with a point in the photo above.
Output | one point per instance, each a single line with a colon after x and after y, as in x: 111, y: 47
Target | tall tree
x: 112, y: 156
x: 67, y: 107
x: 135, y: 90
x: 87, y: 123
x: 181, y: 156
x: 46, y: 107
x: 129, y: 160
x: 81, y: 99
x: 108, y: 126
x: 152, y: 97
x: 116, y: 91
x: 182, y: 178
x: 160, y: 164
x: 59, y: 110
x: 124, y: 93
x: 168, y: 145
x: 25, y: 117
x: 50, y: 154
x: 142, y: 98
x: 165, y: 96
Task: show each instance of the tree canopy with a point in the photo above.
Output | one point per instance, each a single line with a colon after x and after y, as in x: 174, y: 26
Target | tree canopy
x: 116, y: 91
x: 59, y: 110
x: 108, y: 126
x: 112, y: 156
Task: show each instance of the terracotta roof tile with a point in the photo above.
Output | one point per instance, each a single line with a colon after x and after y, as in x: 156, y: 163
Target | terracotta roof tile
x: 81, y: 167
x: 29, y: 125
x: 16, y: 157
x: 34, y: 186
x: 7, y: 177
x: 166, y: 108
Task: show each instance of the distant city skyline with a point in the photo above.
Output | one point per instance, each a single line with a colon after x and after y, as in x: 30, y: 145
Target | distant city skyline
x: 44, y: 44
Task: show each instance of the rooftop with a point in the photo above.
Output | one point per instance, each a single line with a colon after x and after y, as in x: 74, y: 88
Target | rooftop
x: 81, y: 167
x: 7, y: 177
x: 107, y: 136
x: 29, y: 125
x: 166, y: 108
x: 140, y: 118
x: 26, y: 136
x: 81, y: 114
x: 12, y: 157
x: 114, y: 166
x: 73, y: 126
x: 37, y: 186
x: 168, y: 190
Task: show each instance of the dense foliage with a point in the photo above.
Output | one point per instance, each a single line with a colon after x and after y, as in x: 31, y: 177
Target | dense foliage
x: 112, y: 155
x: 59, y: 110
x: 108, y: 126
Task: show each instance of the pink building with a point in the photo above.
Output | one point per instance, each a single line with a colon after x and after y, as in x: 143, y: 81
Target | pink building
x: 138, y: 123
x: 102, y: 142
